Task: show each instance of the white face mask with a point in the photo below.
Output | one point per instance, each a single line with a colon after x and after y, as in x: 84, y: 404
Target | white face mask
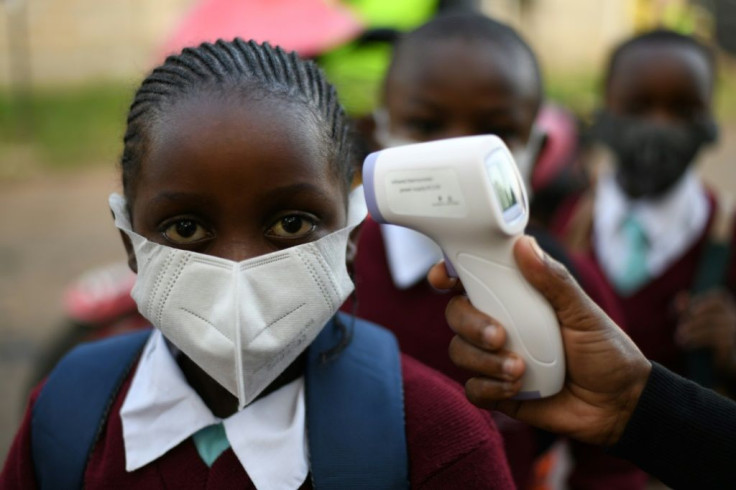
x: 243, y: 322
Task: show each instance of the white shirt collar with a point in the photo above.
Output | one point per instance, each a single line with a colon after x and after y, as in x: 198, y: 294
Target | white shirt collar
x: 409, y: 253
x: 161, y: 410
x: 672, y: 223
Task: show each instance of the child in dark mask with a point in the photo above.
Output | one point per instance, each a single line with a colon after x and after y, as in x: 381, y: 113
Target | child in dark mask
x: 658, y: 111
x: 652, y: 220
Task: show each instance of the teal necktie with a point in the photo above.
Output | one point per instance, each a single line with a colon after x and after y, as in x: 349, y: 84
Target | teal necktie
x: 211, y: 442
x: 633, y: 272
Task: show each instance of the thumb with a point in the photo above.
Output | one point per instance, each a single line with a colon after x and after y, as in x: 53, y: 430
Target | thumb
x: 553, y: 281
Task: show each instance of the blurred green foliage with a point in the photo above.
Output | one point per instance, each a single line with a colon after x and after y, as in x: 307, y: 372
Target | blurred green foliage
x: 68, y: 128
x: 65, y: 127
x: 582, y: 92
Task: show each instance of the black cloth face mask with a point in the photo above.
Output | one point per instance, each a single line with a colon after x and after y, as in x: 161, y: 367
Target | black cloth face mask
x: 651, y: 157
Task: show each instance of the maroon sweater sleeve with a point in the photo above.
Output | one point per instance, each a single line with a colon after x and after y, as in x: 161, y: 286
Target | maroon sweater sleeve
x: 18, y: 470
x: 452, y: 444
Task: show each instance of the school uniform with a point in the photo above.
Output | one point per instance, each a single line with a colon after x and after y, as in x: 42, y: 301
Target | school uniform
x: 148, y: 440
x: 390, y: 289
x: 676, y: 227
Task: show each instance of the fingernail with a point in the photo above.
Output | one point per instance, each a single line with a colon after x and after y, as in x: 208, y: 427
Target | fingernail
x: 538, y: 250
x: 510, y: 366
x: 489, y: 335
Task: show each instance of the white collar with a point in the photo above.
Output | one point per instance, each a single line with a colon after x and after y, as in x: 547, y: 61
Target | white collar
x: 409, y: 253
x: 161, y: 410
x: 671, y: 223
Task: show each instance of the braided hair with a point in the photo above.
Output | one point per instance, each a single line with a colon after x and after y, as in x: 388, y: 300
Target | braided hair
x: 237, y: 67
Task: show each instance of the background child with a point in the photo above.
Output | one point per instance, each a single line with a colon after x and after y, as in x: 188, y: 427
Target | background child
x: 459, y: 75
x: 652, y: 221
x: 236, y: 169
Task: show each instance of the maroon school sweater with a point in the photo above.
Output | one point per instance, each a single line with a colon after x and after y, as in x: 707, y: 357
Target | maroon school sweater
x: 649, y: 315
x: 451, y: 444
x: 417, y: 317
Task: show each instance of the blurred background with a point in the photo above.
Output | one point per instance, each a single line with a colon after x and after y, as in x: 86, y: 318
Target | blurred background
x: 68, y: 69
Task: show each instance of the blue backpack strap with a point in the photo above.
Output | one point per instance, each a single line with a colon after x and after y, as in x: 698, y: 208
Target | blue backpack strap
x: 355, y: 409
x: 73, y: 405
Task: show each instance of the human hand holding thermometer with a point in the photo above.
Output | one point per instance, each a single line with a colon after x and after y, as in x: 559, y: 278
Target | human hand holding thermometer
x: 466, y: 194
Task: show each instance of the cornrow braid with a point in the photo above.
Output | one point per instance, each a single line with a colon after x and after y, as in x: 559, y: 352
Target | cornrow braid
x: 247, y: 67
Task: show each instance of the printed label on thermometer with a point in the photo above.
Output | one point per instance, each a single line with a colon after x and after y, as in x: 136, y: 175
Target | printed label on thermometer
x: 425, y: 192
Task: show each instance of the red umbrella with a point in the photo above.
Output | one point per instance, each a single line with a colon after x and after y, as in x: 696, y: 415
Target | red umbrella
x: 308, y: 27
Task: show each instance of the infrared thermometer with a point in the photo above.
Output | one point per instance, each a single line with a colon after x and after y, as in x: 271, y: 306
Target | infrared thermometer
x: 466, y: 194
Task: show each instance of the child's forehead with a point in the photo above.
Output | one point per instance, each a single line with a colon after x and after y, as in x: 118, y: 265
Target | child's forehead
x: 194, y: 129
x: 637, y: 63
x: 213, y: 115
x: 481, y: 50
x: 439, y: 60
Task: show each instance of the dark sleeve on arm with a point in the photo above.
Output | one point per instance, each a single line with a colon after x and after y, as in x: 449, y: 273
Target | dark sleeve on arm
x: 681, y: 433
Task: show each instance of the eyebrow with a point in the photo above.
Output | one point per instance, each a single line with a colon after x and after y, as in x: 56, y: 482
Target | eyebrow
x: 430, y: 104
x: 297, y: 189
x: 174, y: 196
x: 274, y: 194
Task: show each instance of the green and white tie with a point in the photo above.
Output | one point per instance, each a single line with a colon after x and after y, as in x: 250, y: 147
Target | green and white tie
x: 211, y: 442
x: 633, y: 272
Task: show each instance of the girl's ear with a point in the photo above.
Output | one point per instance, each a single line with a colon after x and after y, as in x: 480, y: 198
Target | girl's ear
x: 132, y: 263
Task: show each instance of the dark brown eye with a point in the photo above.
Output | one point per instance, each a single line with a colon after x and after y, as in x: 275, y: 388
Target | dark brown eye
x: 186, y: 228
x: 292, y: 226
x: 185, y: 231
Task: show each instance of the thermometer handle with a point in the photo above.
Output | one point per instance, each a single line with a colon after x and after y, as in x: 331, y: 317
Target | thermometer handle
x: 498, y: 289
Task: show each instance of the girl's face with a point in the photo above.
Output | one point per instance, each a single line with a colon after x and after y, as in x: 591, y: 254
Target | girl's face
x: 659, y: 116
x: 236, y: 179
x: 661, y: 83
x: 462, y: 89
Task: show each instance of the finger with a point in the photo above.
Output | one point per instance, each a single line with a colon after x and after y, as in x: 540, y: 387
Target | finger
x: 553, y: 414
x: 487, y: 393
x: 708, y: 332
x: 709, y: 319
x: 473, y: 325
x: 557, y: 285
x: 682, y: 302
x: 713, y: 302
x: 500, y: 365
x: 439, y: 279
x: 711, y: 294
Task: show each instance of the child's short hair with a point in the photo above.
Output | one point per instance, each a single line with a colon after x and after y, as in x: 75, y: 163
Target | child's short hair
x: 472, y: 26
x: 660, y: 37
x: 245, y: 68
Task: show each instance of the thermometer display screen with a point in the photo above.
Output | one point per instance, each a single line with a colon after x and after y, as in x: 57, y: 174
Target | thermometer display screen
x: 506, y: 186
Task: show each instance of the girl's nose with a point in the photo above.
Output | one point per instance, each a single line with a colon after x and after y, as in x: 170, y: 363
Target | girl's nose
x: 661, y: 115
x: 458, y: 129
x: 238, y: 249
